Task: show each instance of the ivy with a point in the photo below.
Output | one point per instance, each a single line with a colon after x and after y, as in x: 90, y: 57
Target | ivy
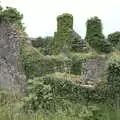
x: 114, y: 38
x: 51, y: 92
x: 62, y: 38
x: 13, y: 16
x: 95, y: 37
x: 114, y: 79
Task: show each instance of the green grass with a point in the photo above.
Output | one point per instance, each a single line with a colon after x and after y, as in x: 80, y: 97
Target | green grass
x: 76, y: 112
x: 10, y: 109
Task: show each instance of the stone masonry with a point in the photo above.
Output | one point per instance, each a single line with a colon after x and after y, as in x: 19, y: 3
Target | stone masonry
x: 11, y: 75
x: 94, y: 68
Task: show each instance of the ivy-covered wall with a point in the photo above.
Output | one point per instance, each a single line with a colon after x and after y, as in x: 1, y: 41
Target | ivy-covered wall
x: 64, y: 22
x: 66, y: 39
x: 95, y: 37
x: 62, y: 38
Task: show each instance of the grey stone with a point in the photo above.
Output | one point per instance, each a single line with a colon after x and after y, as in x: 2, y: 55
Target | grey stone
x: 94, y: 68
x: 11, y: 77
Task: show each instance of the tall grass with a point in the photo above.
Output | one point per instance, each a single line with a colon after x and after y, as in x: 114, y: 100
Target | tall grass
x: 10, y: 109
x: 78, y: 112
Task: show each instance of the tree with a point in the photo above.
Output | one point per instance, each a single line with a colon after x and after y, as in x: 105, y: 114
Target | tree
x: 45, y: 44
x: 114, y: 38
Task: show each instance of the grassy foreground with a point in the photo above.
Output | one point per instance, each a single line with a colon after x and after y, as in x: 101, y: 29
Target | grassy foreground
x: 11, y: 110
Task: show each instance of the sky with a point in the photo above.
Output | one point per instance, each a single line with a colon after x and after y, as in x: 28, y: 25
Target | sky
x: 40, y: 15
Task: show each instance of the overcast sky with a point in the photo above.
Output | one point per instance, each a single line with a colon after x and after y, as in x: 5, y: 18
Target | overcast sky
x: 40, y: 15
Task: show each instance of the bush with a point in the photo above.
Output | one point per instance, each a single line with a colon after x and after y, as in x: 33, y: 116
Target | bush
x: 76, y: 66
x: 55, y: 92
x: 35, y: 64
x: 114, y: 73
x: 38, y: 42
x: 44, y: 44
x: 114, y: 38
x: 114, y: 80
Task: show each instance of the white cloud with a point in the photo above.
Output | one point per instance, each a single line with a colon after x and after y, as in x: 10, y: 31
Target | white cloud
x: 40, y: 15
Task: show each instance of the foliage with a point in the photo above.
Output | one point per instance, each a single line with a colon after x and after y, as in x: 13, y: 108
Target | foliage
x: 95, y: 37
x: 76, y: 67
x: 78, y: 44
x: 114, y: 73
x: 63, y: 93
x: 77, y: 112
x: 11, y: 110
x: 65, y: 22
x: 53, y: 93
x: 114, y: 38
x: 44, y: 44
x: 118, y: 46
x: 62, y: 38
x: 32, y: 58
x: 78, y: 59
x: 35, y: 64
x: 38, y: 42
x: 114, y: 79
x: 12, y: 16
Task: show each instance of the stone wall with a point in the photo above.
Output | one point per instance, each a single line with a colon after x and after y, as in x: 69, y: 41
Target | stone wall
x: 11, y: 75
x: 94, y: 68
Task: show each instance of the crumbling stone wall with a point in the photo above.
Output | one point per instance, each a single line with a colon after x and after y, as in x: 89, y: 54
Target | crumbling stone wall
x: 11, y: 75
x: 94, y: 68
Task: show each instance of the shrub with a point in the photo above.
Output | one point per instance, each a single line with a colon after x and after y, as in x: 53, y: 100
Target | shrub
x: 44, y: 44
x: 38, y: 42
x: 76, y: 66
x: 114, y: 74
x: 114, y: 38
x: 114, y: 80
x: 35, y: 64
x: 55, y: 92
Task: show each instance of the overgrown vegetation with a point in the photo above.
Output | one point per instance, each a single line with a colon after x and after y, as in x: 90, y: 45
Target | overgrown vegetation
x: 11, y: 15
x: 55, y: 87
x: 95, y: 37
x: 114, y: 39
x: 114, y: 79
